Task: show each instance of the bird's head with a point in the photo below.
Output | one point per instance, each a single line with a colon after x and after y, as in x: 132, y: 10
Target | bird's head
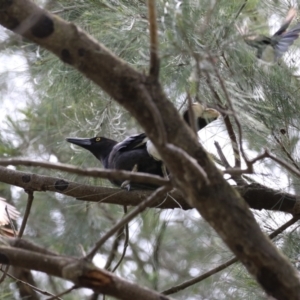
x: 99, y: 146
x: 203, y: 115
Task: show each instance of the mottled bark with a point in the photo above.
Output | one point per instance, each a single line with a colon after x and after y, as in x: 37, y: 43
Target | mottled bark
x: 79, y: 271
x: 144, y: 98
x: 257, y: 196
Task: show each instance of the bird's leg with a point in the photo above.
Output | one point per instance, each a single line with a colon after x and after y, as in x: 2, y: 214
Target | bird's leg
x: 126, y: 184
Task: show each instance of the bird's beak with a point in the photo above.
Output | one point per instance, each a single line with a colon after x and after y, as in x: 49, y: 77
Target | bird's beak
x: 210, y: 113
x: 79, y: 141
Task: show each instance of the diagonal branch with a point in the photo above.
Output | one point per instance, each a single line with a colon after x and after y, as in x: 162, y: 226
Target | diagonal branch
x: 27, y: 212
x: 223, y: 266
x: 227, y: 122
x: 288, y: 154
x: 144, y: 98
x: 237, y: 178
x: 154, y: 58
x: 265, y: 154
x: 126, y: 228
x: 141, y: 207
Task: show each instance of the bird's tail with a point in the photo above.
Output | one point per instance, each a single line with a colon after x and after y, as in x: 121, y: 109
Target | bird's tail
x: 286, y: 40
x: 287, y: 21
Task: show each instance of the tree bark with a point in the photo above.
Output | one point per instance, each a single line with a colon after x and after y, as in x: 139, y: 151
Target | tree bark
x: 257, y: 196
x: 79, y: 271
x: 144, y: 98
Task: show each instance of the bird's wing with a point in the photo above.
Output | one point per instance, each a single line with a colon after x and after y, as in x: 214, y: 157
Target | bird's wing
x: 287, y: 21
x: 11, y: 211
x: 132, y: 142
x: 286, y: 40
x: 153, y: 151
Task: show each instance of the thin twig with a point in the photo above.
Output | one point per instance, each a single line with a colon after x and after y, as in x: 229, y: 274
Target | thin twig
x: 265, y: 154
x: 283, y: 227
x: 156, y: 254
x: 240, y: 9
x: 228, y: 125
x: 141, y: 207
x: 114, y: 249
x: 191, y: 114
x: 154, y: 59
x: 182, y: 104
x: 237, y: 178
x: 286, y: 152
x: 223, y: 159
x: 197, y: 279
x: 92, y: 172
x: 240, y: 137
x: 233, y: 139
x: 74, y: 287
x: 27, y: 212
x: 125, y: 243
x: 4, y: 273
x: 228, y: 263
x: 43, y: 292
x: 283, y: 163
x: 10, y: 221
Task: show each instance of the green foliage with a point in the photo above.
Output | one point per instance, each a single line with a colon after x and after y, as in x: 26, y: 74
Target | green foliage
x: 165, y: 247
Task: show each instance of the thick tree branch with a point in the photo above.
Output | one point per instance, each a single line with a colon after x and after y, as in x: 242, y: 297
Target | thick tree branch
x: 220, y: 204
x: 257, y: 196
x: 84, y: 192
x: 81, y: 272
x: 92, y: 172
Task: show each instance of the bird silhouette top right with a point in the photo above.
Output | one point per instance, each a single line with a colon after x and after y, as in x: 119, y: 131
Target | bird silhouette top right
x: 272, y: 48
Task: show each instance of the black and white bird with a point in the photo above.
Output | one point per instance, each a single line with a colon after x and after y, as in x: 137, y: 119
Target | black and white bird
x: 129, y: 155
x: 136, y: 152
x: 272, y: 48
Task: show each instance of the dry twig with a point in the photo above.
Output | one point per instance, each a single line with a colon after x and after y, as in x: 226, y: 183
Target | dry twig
x: 27, y: 212
x: 141, y: 207
x: 223, y: 266
x: 154, y: 59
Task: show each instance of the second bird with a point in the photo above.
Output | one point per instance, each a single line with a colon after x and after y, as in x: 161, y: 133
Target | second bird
x: 137, y: 153
x: 272, y: 48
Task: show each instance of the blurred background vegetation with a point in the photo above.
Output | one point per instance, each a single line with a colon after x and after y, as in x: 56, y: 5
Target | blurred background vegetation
x: 43, y: 101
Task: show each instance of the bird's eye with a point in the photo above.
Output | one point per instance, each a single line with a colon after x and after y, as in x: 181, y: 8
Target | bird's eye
x: 98, y: 139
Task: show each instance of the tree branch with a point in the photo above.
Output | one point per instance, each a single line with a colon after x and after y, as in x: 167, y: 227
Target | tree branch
x: 92, y: 172
x: 154, y: 59
x: 141, y: 207
x: 220, y: 205
x: 257, y: 196
x: 223, y: 266
x: 78, y: 271
x: 27, y: 212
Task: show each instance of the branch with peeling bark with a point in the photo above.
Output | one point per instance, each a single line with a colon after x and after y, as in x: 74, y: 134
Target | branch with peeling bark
x: 144, y: 98
x: 21, y: 253
x: 257, y: 196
